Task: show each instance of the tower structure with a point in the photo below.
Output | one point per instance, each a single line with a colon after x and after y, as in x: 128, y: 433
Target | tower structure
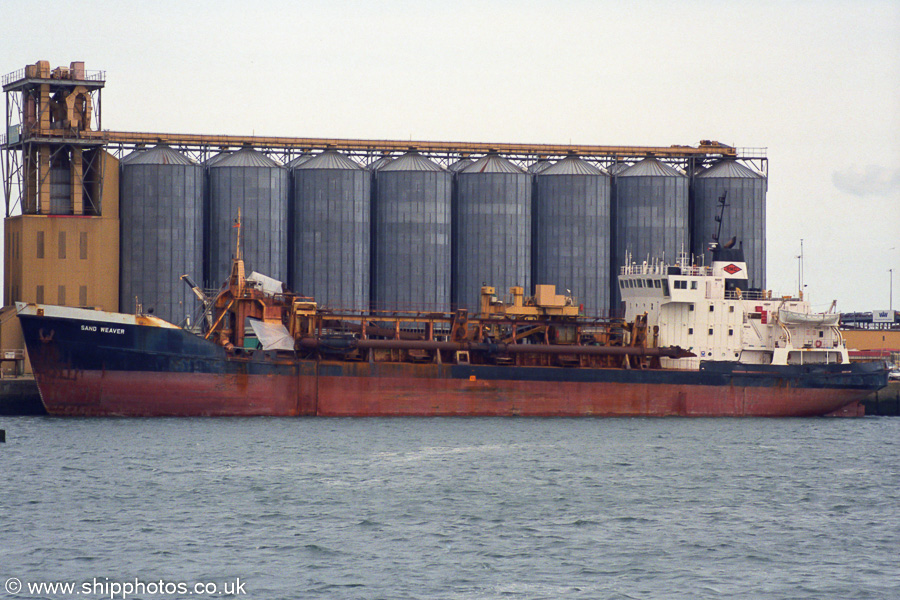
x: 61, y: 191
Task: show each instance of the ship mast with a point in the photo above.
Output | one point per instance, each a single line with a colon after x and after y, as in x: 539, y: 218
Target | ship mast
x: 237, y: 265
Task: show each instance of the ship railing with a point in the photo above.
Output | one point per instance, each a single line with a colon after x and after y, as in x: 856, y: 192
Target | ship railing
x: 748, y: 295
x: 663, y: 269
x: 644, y: 269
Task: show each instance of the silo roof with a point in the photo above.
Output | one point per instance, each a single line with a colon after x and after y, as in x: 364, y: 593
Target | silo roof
x: 460, y: 164
x: 377, y: 164
x: 245, y: 157
x: 572, y: 165
x: 618, y: 168
x: 131, y: 156
x: 492, y: 163
x: 411, y: 161
x: 539, y: 165
x: 330, y: 160
x: 651, y: 167
x: 158, y: 155
x: 732, y: 169
x: 214, y: 159
x: 296, y: 162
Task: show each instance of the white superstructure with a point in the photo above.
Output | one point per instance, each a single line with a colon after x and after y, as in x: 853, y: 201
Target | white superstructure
x: 709, y: 311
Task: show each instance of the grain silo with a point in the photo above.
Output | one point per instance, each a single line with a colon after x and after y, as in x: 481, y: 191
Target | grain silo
x: 257, y: 185
x: 651, y: 208
x: 571, y: 232
x: 539, y: 165
x: 412, y: 235
x: 460, y: 165
x: 330, y: 257
x: 493, y: 230
x: 744, y: 216
x: 377, y: 164
x: 161, y: 218
x: 297, y: 161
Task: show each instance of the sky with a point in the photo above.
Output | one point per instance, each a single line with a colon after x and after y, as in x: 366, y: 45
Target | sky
x: 816, y: 83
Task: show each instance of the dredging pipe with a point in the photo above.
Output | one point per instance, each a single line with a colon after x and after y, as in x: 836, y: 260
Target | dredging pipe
x: 352, y: 344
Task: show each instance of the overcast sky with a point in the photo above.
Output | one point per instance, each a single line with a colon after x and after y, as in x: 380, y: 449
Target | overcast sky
x: 816, y: 83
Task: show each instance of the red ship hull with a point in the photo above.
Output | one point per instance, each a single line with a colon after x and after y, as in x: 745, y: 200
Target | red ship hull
x: 198, y: 394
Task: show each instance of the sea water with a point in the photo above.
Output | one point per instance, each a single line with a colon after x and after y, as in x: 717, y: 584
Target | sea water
x: 450, y: 508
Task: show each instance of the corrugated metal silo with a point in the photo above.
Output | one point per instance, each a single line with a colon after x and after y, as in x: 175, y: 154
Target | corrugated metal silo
x: 744, y: 217
x: 539, y: 165
x: 460, y: 165
x: 258, y: 185
x: 493, y: 230
x: 618, y: 167
x: 377, y: 164
x: 651, y: 207
x: 330, y: 258
x: 132, y: 156
x: 412, y: 235
x: 571, y: 232
x: 214, y: 159
x: 297, y: 161
x: 161, y: 218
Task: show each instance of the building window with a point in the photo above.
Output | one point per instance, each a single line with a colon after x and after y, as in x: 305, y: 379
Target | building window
x: 62, y: 245
x: 62, y: 295
x: 82, y: 296
x: 40, y: 244
x: 39, y: 295
x: 82, y: 245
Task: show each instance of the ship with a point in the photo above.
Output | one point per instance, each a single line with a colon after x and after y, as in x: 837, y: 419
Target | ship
x: 695, y: 341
